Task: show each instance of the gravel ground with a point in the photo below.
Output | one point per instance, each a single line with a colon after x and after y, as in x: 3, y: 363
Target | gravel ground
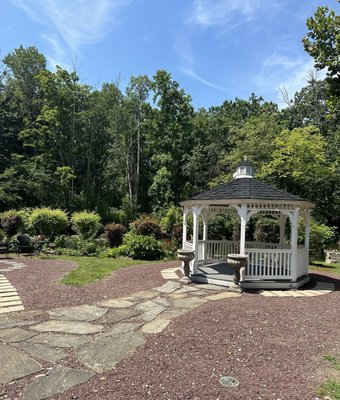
x: 273, y: 346
x: 38, y: 286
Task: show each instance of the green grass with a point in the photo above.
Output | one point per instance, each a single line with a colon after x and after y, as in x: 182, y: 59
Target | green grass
x: 321, y: 266
x: 334, y: 361
x: 91, y: 269
x: 330, y: 388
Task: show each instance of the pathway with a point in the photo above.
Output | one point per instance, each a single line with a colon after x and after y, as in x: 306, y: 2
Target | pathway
x: 9, y: 297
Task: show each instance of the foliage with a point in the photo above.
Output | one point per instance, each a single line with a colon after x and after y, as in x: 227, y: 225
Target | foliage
x: 141, y: 247
x: 321, y: 237
x: 86, y: 224
x: 48, y: 222
x: 146, y: 226
x: 74, y: 245
x: 330, y: 389
x: 222, y: 227
x: 172, y: 218
x: 2, y: 234
x: 11, y: 223
x: 93, y: 269
x: 116, y: 252
x: 267, y: 230
x: 177, y: 235
x: 333, y: 360
x: 114, y: 234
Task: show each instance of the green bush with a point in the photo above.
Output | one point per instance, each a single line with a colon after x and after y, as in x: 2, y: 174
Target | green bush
x: 114, y: 234
x: 141, y: 247
x: 11, y: 222
x: 177, y: 236
x: 86, y: 224
x: 116, y: 252
x: 2, y: 235
x: 74, y: 246
x: 48, y: 222
x: 321, y: 237
x: 173, y: 217
x: 267, y: 230
x: 146, y: 226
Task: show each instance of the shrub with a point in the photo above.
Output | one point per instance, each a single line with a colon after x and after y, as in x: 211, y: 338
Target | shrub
x: 48, y: 222
x: 320, y: 238
x: 143, y: 247
x: 267, y: 230
x: 116, y: 252
x: 114, y: 234
x: 2, y: 235
x: 86, y: 224
x: 177, y: 235
x: 146, y: 226
x: 11, y: 223
x: 172, y: 218
x: 74, y: 246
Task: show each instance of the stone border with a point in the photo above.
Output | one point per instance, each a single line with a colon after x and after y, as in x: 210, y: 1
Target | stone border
x: 9, y: 297
x: 319, y: 289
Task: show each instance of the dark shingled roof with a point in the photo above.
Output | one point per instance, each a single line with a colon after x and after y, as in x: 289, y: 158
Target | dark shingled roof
x: 246, y: 188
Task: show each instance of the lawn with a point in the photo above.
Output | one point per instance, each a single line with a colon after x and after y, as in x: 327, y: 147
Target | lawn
x: 321, y: 266
x: 91, y: 269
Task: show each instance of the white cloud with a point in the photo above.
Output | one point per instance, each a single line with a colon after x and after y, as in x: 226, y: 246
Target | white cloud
x: 188, y: 71
x: 71, y: 24
x: 217, y: 12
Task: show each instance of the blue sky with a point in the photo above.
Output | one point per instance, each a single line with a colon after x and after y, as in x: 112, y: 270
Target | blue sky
x: 216, y: 49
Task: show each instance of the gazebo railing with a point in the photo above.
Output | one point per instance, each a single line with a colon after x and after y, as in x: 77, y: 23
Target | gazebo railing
x: 269, y: 264
x: 302, y: 261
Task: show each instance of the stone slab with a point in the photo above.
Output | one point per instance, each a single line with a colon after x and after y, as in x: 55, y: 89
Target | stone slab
x: 162, y: 301
x: 15, y: 323
x: 189, y: 303
x: 56, y: 381
x: 178, y: 295
x: 146, y: 305
x: 116, y: 303
x: 143, y: 295
x: 186, y: 289
x: 169, y: 287
x: 120, y: 314
x: 152, y: 313
x: 222, y: 296
x: 12, y: 335
x: 76, y: 327
x: 60, y: 340
x: 41, y: 351
x: 15, y: 364
x: 105, y: 352
x: 156, y: 326
x: 174, y: 312
x: 122, y: 328
x: 78, y: 313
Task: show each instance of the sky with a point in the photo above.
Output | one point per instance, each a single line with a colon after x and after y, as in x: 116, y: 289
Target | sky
x: 216, y: 49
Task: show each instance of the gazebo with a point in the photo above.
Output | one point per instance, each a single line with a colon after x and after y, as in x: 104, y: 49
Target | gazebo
x: 269, y: 265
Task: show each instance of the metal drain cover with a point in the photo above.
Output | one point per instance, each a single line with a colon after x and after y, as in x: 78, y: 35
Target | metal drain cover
x: 229, y: 381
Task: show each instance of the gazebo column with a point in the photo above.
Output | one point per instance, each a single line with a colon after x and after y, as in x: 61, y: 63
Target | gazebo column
x: 195, y: 213
x: 205, y: 234
x: 294, y: 242
x: 185, y: 227
x: 307, y: 229
x: 243, y: 213
x: 282, y: 222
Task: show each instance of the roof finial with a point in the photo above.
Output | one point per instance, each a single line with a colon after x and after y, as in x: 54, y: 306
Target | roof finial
x: 245, y: 158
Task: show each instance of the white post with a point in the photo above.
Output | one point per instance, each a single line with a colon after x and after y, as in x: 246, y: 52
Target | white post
x: 242, y: 212
x: 282, y: 222
x: 294, y: 242
x: 195, y: 212
x: 205, y: 235
x: 307, y: 228
x: 185, y: 227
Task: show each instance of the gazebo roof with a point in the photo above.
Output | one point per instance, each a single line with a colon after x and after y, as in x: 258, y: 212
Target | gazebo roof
x: 246, y: 188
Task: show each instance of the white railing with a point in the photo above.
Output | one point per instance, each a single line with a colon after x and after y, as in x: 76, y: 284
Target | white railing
x: 302, y: 261
x: 219, y: 249
x: 269, y: 264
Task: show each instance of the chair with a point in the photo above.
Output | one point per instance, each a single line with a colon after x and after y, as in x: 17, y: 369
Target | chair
x: 4, y: 248
x: 24, y: 245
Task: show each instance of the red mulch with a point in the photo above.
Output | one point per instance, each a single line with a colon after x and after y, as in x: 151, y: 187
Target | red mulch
x: 38, y: 286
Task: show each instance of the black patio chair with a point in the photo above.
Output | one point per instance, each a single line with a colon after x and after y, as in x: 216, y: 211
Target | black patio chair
x: 24, y: 245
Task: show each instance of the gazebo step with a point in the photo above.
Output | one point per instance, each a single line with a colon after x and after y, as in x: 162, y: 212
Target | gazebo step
x: 271, y: 284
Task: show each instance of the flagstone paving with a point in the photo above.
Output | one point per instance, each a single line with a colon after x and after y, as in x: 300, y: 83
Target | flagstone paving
x: 94, y: 338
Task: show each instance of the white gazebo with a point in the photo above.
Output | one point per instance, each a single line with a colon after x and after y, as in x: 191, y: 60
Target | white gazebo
x: 270, y: 265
